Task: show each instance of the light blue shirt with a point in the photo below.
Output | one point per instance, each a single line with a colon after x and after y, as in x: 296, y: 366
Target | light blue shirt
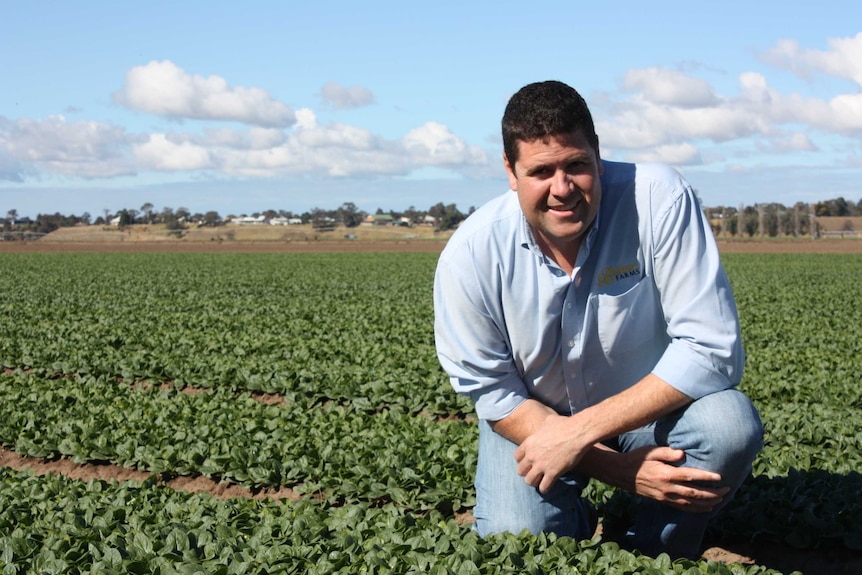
x: 648, y: 294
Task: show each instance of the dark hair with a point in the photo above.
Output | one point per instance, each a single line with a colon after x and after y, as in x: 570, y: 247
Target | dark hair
x: 545, y: 109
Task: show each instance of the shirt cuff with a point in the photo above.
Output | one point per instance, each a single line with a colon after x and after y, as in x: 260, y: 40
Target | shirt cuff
x: 498, y: 400
x: 689, y: 372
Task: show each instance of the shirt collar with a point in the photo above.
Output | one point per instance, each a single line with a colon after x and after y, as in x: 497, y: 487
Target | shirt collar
x: 528, y: 240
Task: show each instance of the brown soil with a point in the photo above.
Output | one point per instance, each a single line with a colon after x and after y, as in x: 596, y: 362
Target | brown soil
x: 322, y: 246
x: 108, y: 472
x: 773, y: 555
x: 826, y: 245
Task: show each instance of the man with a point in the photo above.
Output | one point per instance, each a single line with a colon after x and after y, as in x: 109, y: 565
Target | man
x: 589, y: 318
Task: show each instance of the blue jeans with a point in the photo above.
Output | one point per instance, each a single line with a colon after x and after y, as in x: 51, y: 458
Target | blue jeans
x: 720, y: 432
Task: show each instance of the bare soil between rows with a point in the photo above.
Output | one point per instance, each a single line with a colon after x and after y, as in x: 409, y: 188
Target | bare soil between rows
x: 767, y: 553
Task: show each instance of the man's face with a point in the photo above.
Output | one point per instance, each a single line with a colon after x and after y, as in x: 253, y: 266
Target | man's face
x: 558, y: 187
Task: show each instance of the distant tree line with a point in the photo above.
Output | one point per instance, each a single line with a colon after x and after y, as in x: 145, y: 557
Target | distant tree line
x: 771, y: 219
x: 442, y: 216
x: 774, y: 219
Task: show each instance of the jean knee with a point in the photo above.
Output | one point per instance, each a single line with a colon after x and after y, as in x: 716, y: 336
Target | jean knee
x: 562, y: 511
x: 721, y: 432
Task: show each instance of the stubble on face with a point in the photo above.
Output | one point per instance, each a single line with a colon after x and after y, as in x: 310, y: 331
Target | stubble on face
x: 557, y: 180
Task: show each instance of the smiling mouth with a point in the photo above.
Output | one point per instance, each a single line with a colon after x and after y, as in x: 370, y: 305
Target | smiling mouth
x: 564, y: 207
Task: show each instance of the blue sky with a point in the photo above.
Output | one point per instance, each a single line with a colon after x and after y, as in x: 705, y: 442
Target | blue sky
x: 244, y: 107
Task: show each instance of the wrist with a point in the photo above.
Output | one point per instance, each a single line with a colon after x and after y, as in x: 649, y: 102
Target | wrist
x: 608, y: 466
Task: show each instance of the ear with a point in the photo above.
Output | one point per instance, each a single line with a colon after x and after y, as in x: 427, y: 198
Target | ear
x: 510, y: 172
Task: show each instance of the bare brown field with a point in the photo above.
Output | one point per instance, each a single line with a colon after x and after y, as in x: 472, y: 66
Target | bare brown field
x: 305, y: 239
x: 839, y: 223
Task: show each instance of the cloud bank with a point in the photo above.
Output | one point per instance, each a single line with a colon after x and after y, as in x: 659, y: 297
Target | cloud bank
x: 164, y: 89
x: 214, y: 127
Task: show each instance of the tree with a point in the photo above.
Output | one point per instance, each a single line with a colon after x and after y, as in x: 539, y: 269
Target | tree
x: 349, y: 215
x: 211, y: 218
x: 840, y: 207
x: 822, y: 209
x: 413, y: 215
x: 125, y: 218
x: 448, y: 217
x: 750, y: 220
x: 769, y: 220
x: 166, y: 215
x: 147, y: 211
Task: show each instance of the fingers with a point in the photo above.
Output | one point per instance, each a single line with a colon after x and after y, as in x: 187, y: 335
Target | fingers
x: 666, y: 454
x: 695, y: 499
x: 533, y: 475
x: 693, y: 475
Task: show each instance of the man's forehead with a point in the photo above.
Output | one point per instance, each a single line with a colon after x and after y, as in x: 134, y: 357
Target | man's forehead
x: 575, y: 143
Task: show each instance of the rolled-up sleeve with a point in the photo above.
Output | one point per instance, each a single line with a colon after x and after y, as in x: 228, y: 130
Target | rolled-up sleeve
x: 705, y: 353
x: 471, y: 343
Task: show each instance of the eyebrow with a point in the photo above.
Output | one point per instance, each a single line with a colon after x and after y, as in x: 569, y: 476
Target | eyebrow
x: 577, y: 157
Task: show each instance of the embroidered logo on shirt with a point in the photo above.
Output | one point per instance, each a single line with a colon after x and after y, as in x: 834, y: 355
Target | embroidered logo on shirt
x: 611, y: 274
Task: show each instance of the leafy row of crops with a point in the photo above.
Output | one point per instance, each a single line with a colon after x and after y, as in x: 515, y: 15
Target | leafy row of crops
x: 101, y: 350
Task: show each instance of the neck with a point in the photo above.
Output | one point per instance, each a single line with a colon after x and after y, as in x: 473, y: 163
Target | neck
x: 564, y: 254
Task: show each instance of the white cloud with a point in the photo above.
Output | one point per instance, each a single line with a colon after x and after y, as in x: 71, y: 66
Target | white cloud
x: 253, y: 138
x: 670, y: 87
x: 434, y: 144
x: 164, y: 89
x: 305, y: 118
x: 844, y: 60
x: 669, y: 109
x: 85, y: 149
x: 334, y: 149
x: 336, y: 136
x: 675, y: 154
x: 163, y: 153
x: 641, y: 123
x: 341, y: 97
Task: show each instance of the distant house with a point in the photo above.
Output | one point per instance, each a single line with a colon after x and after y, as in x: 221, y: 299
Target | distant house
x: 279, y: 221
x: 379, y: 219
x: 244, y: 220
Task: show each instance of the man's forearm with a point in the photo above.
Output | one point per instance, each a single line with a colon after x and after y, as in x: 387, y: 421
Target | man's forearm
x: 522, y: 422
x: 635, y: 407
x: 559, y: 443
x: 645, y: 402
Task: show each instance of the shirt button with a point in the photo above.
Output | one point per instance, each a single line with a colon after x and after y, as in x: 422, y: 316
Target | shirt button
x: 571, y: 343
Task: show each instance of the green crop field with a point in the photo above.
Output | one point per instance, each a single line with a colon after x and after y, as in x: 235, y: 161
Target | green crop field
x: 317, y: 373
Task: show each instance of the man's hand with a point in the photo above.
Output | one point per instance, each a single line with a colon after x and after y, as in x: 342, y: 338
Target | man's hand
x: 553, y: 449
x: 654, y: 476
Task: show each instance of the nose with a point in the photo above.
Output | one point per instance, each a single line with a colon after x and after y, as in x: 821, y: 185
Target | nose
x: 561, y: 184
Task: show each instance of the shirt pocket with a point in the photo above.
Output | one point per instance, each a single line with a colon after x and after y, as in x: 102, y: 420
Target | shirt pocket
x: 630, y: 319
